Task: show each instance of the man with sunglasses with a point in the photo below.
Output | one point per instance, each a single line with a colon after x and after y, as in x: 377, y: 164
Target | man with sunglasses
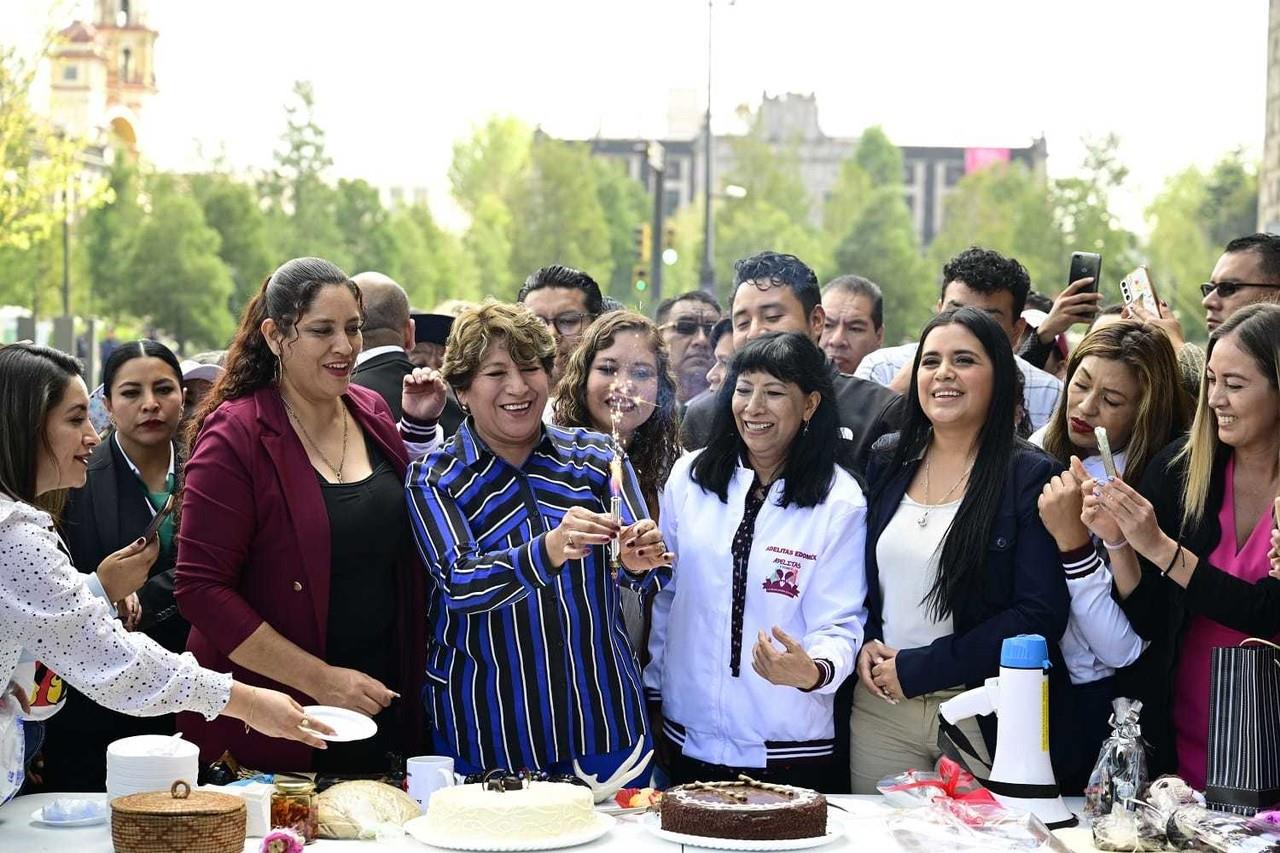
x: 774, y: 292
x: 686, y: 322
x: 1247, y: 272
x: 567, y: 300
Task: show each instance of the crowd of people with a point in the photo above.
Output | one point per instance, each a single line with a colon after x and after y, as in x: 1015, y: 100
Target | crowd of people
x: 554, y: 533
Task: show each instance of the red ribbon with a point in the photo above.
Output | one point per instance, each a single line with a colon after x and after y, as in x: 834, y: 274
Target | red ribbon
x: 956, y: 784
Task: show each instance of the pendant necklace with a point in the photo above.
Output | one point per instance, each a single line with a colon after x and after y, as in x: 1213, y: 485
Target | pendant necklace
x: 923, y: 520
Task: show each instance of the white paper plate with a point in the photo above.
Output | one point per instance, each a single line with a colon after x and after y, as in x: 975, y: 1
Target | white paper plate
x: 37, y: 816
x: 418, y: 829
x: 654, y: 824
x: 347, y: 725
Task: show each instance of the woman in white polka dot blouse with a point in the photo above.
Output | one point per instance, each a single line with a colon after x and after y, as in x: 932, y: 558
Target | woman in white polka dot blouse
x: 47, y: 607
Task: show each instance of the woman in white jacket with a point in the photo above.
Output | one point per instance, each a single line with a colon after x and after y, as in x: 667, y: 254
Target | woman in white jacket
x: 50, y: 609
x: 764, y: 616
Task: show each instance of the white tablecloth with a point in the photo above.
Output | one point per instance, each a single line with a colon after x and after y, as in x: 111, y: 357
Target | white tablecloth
x: 20, y: 834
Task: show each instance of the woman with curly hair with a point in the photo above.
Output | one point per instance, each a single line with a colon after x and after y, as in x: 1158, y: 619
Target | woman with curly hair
x: 621, y: 369
x: 296, y: 566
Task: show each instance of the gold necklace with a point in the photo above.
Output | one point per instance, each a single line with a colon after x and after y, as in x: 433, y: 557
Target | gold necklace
x: 342, y: 462
x: 923, y: 520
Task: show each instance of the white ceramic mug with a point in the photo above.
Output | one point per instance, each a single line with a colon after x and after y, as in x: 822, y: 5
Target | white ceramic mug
x: 427, y: 774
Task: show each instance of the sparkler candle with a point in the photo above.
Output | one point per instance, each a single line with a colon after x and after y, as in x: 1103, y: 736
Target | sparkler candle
x: 615, y: 476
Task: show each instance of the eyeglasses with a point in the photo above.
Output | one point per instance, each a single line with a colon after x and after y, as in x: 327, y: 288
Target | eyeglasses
x: 687, y: 328
x: 568, y: 323
x: 1227, y: 289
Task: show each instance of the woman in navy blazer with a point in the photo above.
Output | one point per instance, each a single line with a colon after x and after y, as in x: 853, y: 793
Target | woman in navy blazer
x: 957, y: 557
x: 295, y: 564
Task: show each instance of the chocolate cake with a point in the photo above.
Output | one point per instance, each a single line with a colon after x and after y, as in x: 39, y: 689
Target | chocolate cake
x: 745, y: 809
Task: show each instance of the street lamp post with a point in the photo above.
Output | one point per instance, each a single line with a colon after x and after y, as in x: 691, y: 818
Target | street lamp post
x: 707, y: 277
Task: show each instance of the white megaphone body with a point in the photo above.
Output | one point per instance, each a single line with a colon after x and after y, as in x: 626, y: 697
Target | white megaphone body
x: 1021, y: 775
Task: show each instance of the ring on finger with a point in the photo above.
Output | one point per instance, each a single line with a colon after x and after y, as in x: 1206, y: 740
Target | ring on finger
x: 572, y: 542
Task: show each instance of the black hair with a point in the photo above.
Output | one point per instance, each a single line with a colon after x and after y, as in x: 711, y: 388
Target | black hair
x: 663, y: 310
x: 1038, y: 301
x: 719, y: 330
x: 1267, y: 247
x: 33, y: 381
x: 285, y: 296
x: 557, y: 275
x: 964, y: 551
x: 811, y: 461
x: 986, y: 271
x: 856, y: 285
x: 780, y: 269
x: 126, y: 353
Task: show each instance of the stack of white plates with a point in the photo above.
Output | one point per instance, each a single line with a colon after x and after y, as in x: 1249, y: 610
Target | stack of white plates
x: 150, y: 763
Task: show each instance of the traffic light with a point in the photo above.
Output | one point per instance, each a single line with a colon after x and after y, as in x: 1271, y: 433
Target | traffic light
x: 644, y: 242
x: 640, y: 277
x: 669, y: 237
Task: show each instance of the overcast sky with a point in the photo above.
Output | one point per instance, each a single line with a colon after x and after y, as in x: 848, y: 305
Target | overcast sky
x: 399, y: 82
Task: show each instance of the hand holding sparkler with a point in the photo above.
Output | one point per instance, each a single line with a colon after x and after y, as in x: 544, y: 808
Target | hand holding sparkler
x: 577, y: 533
x: 643, y: 548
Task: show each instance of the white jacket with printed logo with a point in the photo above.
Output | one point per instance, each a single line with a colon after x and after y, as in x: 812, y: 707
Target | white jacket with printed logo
x: 805, y: 575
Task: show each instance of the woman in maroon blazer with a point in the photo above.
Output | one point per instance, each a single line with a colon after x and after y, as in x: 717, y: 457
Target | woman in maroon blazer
x: 295, y: 561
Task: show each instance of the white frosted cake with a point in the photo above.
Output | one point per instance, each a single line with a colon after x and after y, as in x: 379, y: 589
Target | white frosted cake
x: 538, y: 811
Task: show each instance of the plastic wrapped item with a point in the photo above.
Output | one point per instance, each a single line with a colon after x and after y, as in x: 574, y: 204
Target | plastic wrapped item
x: 916, y: 788
x: 1120, y: 773
x: 282, y: 841
x: 1129, y: 830
x: 13, y: 747
x: 1195, y: 827
x: 1168, y: 794
x: 960, y: 827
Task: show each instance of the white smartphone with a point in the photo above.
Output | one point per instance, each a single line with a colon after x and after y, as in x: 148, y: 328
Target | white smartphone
x: 1104, y: 450
x: 1137, y: 288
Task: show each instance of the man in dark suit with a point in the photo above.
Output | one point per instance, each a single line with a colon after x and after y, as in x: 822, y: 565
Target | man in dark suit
x: 388, y: 336
x: 774, y: 292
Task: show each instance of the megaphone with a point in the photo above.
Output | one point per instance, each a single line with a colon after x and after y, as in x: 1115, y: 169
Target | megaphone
x: 1021, y: 775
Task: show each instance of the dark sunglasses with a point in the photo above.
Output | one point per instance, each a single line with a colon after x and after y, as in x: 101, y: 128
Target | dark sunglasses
x: 1227, y: 289
x: 687, y: 328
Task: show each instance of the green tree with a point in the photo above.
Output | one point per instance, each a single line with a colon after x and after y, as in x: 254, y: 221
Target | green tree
x: 1230, y: 208
x: 847, y: 198
x: 879, y: 158
x: 110, y: 232
x: 625, y: 205
x: 365, y: 227
x: 882, y: 246
x: 556, y: 213
x: 1004, y: 207
x: 488, y: 244
x: 177, y: 280
x: 1082, y: 208
x: 304, y: 206
x: 431, y: 263
x: 1180, y: 251
x: 231, y: 208
x: 749, y: 226
x: 491, y: 163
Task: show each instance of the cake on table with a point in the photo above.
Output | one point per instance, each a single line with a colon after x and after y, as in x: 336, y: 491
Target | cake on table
x: 502, y: 810
x: 745, y: 809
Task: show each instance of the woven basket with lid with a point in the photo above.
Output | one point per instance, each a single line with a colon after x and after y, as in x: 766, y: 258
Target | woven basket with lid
x: 179, y: 821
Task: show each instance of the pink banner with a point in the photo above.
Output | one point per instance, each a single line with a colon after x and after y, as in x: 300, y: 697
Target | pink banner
x: 979, y: 158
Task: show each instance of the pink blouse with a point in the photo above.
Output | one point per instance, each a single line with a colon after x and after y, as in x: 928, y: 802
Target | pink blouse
x: 1191, y: 680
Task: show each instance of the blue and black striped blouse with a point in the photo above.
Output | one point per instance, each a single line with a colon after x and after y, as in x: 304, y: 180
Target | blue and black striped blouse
x: 527, y: 665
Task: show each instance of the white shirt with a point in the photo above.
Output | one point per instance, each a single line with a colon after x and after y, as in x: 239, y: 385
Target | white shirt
x: 909, y: 556
x: 1099, y: 639
x: 805, y: 574
x: 365, y: 355
x: 1040, y: 390
x: 46, y: 607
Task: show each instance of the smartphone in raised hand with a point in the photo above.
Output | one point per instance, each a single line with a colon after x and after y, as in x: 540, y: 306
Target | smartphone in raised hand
x: 1138, y: 289
x: 1086, y: 265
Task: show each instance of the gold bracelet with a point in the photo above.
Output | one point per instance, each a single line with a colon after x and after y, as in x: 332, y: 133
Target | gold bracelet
x: 253, y: 702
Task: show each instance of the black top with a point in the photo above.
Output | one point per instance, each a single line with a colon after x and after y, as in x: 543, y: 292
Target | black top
x: 867, y: 410
x: 385, y: 374
x: 1158, y: 607
x: 1023, y: 590
x: 368, y: 533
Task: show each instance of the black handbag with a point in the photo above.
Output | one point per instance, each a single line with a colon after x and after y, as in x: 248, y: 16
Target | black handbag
x: 1244, y: 728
